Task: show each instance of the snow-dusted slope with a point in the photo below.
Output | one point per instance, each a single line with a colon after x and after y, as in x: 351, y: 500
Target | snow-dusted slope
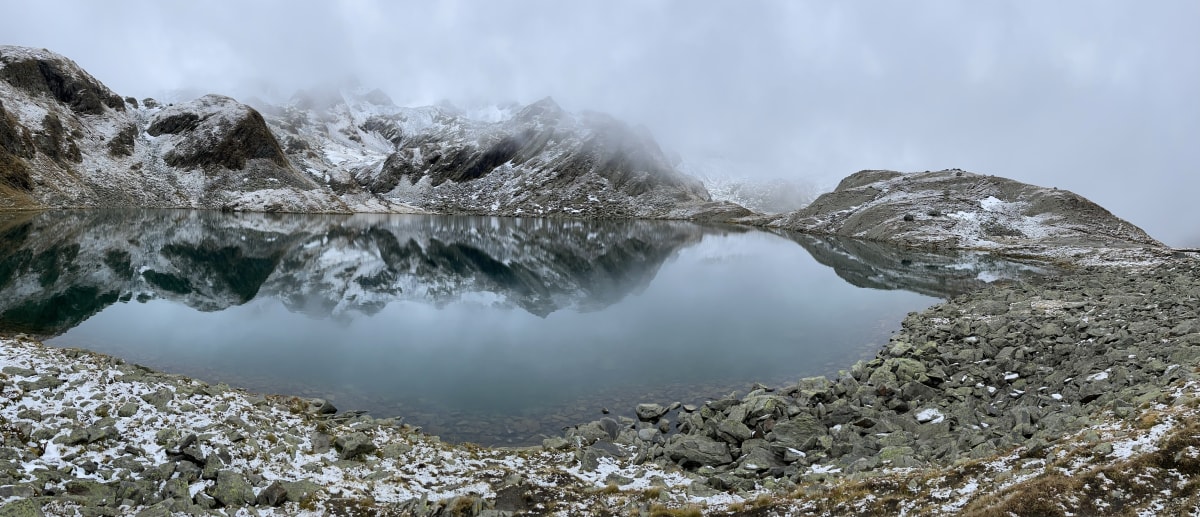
x: 59, y: 268
x: 512, y: 160
x: 66, y: 140
x: 954, y: 209
x: 336, y: 135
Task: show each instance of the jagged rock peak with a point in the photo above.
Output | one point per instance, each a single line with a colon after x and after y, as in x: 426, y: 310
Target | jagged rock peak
x: 42, y: 72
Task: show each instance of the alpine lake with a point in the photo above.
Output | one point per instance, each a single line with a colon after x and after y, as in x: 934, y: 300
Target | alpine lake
x: 497, y: 331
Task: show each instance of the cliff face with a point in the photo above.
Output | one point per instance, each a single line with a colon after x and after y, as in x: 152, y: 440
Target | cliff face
x: 955, y: 209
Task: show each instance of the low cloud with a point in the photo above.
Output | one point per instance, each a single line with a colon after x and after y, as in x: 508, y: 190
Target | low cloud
x: 1094, y: 97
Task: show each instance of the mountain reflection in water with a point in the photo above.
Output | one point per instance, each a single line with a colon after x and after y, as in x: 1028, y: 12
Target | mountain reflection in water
x: 59, y: 268
x: 485, y: 329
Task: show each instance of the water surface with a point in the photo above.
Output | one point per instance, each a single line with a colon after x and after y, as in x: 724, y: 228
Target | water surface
x: 482, y: 329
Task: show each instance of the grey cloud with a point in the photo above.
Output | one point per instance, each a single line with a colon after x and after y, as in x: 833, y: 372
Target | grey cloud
x: 1095, y: 97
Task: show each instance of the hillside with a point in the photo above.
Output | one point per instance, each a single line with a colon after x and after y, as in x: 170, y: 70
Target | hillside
x: 68, y: 141
x: 954, y: 209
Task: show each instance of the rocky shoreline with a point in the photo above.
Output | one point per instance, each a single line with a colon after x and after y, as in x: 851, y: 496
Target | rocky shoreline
x: 1009, y: 366
x: 972, y: 400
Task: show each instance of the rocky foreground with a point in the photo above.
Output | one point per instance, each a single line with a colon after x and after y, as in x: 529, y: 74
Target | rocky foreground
x: 1074, y: 396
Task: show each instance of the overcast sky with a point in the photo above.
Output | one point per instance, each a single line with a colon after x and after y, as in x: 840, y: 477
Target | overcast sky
x: 1095, y: 97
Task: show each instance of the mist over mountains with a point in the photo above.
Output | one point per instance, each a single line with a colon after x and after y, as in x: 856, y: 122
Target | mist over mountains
x: 70, y: 142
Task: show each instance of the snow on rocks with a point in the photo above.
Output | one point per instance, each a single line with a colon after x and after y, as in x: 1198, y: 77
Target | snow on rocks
x: 85, y: 431
x: 102, y: 151
x: 930, y: 416
x: 954, y: 209
x: 519, y: 160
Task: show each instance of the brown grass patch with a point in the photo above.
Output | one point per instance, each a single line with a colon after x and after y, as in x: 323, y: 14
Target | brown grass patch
x: 1120, y: 488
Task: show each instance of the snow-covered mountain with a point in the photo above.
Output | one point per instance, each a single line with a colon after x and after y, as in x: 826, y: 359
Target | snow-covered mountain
x: 66, y: 140
x: 509, y: 160
x: 58, y: 268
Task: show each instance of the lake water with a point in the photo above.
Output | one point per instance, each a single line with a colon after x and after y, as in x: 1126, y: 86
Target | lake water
x: 490, y: 330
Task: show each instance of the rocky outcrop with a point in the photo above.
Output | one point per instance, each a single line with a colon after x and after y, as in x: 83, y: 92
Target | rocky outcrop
x: 42, y: 74
x: 66, y: 140
x: 243, y: 166
x: 215, y: 131
x: 954, y: 209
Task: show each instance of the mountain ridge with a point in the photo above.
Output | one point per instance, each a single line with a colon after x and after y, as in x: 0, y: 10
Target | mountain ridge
x: 956, y: 209
x: 68, y: 141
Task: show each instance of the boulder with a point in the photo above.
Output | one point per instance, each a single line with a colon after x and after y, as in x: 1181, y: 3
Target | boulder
x: 694, y: 451
x: 232, y: 489
x: 649, y: 412
x: 354, y: 445
x: 800, y: 432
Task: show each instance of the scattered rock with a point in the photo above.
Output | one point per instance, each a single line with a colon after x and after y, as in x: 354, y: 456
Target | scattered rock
x: 695, y: 451
x: 649, y: 412
x: 232, y: 489
x: 274, y: 495
x: 354, y: 445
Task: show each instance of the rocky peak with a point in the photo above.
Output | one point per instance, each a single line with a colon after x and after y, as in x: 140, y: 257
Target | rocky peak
x: 40, y: 72
x: 216, y: 130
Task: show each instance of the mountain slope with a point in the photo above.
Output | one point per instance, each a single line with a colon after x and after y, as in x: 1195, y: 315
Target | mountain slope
x: 954, y: 209
x: 66, y: 140
x: 532, y: 160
